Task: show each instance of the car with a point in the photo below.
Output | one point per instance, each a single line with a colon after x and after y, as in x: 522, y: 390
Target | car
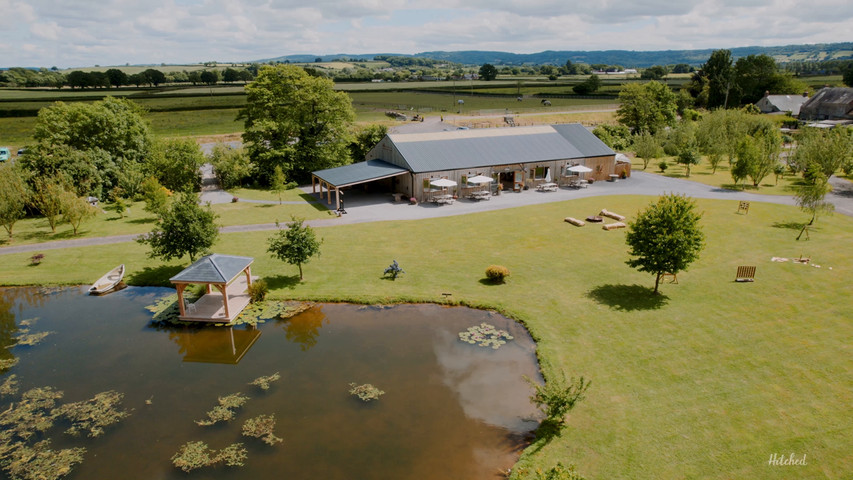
x: 4, y: 154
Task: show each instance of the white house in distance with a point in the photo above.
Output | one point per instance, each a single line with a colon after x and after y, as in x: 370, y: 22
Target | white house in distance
x: 514, y: 157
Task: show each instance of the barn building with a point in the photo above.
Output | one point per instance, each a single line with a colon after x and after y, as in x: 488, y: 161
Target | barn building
x: 515, y: 158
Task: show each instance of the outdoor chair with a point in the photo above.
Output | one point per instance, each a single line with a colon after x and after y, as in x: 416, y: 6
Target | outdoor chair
x: 745, y: 274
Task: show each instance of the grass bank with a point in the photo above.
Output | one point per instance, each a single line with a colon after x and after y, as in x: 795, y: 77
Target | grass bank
x: 706, y: 381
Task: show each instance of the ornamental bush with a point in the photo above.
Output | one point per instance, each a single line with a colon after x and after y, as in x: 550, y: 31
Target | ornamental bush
x: 258, y: 290
x: 497, y: 273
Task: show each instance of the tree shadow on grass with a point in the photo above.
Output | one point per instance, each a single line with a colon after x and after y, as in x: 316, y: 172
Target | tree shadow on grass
x: 788, y: 225
x: 143, y: 220
x: 155, y: 276
x: 628, y: 297
x: 283, y: 281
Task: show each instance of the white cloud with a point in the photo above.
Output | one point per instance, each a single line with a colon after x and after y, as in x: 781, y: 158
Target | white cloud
x: 174, y: 31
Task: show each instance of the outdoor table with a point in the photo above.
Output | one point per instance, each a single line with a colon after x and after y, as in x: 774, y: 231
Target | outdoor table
x: 481, y: 195
x: 547, y: 187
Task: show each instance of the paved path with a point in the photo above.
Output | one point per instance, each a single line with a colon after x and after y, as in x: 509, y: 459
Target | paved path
x: 362, y: 208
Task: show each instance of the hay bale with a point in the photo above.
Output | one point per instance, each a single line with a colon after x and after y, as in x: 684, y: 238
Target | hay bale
x: 575, y: 221
x: 614, y: 216
x: 613, y: 226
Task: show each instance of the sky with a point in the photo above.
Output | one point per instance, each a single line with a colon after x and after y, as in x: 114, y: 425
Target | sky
x: 84, y: 33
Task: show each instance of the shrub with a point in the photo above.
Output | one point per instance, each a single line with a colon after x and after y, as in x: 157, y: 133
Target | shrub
x: 557, y: 397
x: 497, y: 273
x: 662, y: 165
x: 258, y: 290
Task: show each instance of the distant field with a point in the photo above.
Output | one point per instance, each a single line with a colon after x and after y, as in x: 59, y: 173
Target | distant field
x: 448, y: 102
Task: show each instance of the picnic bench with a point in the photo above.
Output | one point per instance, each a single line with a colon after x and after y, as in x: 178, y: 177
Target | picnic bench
x: 745, y: 274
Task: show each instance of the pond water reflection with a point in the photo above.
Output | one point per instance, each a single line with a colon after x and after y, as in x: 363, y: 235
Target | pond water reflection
x: 451, y: 410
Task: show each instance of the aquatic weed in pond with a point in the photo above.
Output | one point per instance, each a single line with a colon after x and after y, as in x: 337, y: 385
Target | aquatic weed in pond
x: 9, y: 386
x: 366, y: 392
x: 225, y: 410
x: 262, y: 427
x: 264, y: 382
x: 195, y: 455
x: 485, y: 335
x: 93, y: 415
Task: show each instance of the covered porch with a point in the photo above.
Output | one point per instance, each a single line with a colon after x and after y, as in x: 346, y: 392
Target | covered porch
x: 226, y: 279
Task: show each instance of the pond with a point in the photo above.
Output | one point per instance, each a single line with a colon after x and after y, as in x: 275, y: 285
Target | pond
x: 450, y: 409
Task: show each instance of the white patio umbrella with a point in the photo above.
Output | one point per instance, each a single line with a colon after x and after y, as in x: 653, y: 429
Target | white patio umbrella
x: 442, y: 182
x: 579, y: 169
x: 478, y: 179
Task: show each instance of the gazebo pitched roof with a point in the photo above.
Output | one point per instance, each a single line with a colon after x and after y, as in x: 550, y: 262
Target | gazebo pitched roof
x: 213, y: 268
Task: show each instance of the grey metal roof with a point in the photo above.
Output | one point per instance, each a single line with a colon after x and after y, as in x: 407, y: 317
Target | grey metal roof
x: 784, y: 103
x: 359, y: 172
x: 213, y: 268
x: 588, y: 144
x: 462, y: 149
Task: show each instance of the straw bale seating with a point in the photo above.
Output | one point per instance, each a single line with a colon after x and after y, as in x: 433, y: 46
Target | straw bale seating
x: 613, y: 226
x: 614, y: 216
x: 575, y: 221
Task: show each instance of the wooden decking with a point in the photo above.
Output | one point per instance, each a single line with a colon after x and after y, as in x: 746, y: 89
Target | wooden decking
x: 211, y: 307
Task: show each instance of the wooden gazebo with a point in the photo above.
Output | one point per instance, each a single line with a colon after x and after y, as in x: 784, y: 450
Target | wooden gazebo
x: 229, y: 274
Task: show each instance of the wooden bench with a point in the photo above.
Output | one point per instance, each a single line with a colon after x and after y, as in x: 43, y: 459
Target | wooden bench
x: 745, y: 274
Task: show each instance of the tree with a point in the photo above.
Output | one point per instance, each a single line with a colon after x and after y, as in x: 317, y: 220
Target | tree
x: 296, y: 121
x: 488, y: 72
x: 230, y: 165
x: 847, y: 76
x: 47, y: 199
x: 209, y: 77
x: 646, y: 147
x: 828, y: 149
x: 666, y: 237
x: 366, y: 139
x: 116, y: 77
x: 153, y: 76
x: 590, y: 85
x: 811, y: 198
x: 186, y: 228
x: 155, y: 196
x: 278, y: 182
x: 75, y: 209
x: 617, y: 137
x: 176, y: 164
x: 656, y: 72
x: 720, y: 74
x: 13, y: 197
x: 294, y: 245
x: 646, y: 107
x: 558, y: 397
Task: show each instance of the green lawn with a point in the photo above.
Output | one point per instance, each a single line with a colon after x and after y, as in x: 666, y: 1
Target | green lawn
x: 108, y: 223
x: 706, y: 381
x: 722, y: 178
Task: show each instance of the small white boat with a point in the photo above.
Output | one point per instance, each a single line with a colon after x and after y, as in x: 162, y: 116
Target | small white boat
x: 108, y: 281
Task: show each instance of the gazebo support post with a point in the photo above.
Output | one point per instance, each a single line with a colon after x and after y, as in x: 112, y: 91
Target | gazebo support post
x: 180, y: 288
x: 223, y: 287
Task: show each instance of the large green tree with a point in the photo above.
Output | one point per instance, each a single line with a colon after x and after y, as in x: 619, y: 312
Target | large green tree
x: 88, y: 144
x: 176, y: 164
x: 13, y: 197
x: 296, y: 121
x: 186, y: 228
x: 488, y: 72
x: 828, y: 150
x: 295, y: 245
x: 719, y: 72
x: 646, y: 107
x: 666, y: 237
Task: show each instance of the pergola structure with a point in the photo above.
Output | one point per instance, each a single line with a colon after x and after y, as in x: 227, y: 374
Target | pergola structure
x: 229, y: 274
